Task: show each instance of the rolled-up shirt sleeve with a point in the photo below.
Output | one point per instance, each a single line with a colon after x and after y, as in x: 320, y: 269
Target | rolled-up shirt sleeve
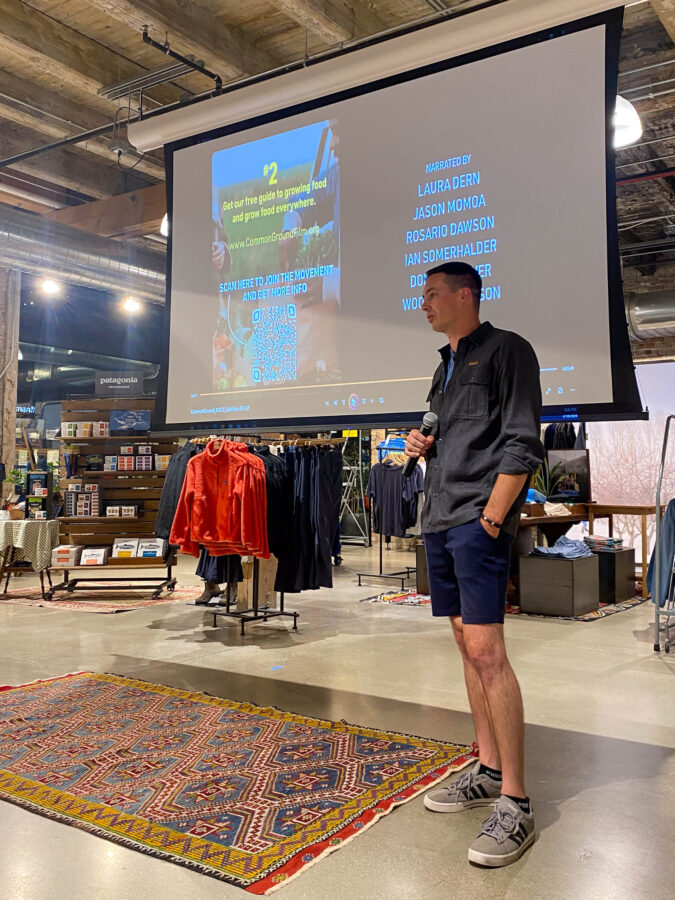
x: 520, y: 396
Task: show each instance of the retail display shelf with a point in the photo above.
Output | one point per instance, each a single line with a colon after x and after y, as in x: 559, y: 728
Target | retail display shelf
x: 114, y: 519
x: 97, y: 473
x: 127, y: 438
x: 132, y: 562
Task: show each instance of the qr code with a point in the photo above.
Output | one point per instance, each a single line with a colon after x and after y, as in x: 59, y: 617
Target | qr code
x: 275, y: 344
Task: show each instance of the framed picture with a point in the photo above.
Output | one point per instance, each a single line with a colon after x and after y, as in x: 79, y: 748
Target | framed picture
x: 573, y: 474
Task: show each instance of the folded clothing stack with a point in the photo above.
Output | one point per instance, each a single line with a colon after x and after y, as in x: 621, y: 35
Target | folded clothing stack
x: 597, y: 542
x: 564, y: 548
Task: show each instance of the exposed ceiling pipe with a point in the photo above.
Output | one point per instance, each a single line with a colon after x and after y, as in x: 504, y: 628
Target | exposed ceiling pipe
x: 35, y: 245
x: 646, y: 176
x: 651, y: 315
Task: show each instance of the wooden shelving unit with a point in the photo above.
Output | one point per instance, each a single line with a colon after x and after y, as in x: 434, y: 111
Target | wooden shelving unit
x: 142, y: 488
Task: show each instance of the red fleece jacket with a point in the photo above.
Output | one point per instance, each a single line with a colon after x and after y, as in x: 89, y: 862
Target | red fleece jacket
x: 223, y: 503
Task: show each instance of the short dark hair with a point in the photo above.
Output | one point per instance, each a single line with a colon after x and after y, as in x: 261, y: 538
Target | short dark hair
x: 462, y: 275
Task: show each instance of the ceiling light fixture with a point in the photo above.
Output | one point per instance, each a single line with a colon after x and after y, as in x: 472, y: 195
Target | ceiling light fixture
x: 50, y: 288
x: 164, y: 227
x: 131, y: 305
x: 627, y: 124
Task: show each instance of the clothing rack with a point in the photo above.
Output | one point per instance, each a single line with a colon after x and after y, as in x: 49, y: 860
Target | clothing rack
x: 668, y: 611
x: 401, y: 576
x: 254, y: 613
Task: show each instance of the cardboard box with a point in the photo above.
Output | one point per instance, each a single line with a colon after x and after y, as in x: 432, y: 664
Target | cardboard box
x: 94, y: 556
x: 125, y: 548
x: 143, y: 463
x: 91, y: 488
x: 74, y: 485
x: 110, y: 463
x: 162, y: 461
x: 66, y: 555
x: 127, y: 450
x: 151, y: 547
x: 113, y: 511
x: 129, y: 512
x: 143, y: 449
x: 69, y: 429
x: 126, y: 463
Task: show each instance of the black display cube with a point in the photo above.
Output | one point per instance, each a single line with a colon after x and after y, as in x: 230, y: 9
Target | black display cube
x: 559, y: 587
x: 617, y: 575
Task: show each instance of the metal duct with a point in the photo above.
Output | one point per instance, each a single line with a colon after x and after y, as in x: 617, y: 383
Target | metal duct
x: 40, y: 247
x: 651, y: 315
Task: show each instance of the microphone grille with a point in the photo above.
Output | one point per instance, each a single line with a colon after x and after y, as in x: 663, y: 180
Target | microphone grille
x: 430, y: 420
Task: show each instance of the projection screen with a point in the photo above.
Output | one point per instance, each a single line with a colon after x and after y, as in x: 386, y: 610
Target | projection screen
x: 299, y: 241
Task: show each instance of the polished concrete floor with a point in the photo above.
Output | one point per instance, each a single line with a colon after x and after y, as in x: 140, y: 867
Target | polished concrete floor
x: 600, y: 712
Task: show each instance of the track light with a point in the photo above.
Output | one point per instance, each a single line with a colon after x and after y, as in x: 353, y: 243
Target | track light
x: 131, y: 305
x: 627, y: 125
x: 50, y: 288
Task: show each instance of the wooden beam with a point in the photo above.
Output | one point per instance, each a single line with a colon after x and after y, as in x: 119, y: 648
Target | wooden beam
x: 53, y: 115
x: 23, y: 203
x: 126, y: 215
x: 65, y: 54
x: 225, y: 50
x: 39, y: 189
x: 665, y: 10
x: 71, y: 168
x: 333, y: 20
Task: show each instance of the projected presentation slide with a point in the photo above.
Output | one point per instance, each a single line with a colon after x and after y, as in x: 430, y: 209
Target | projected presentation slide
x: 276, y: 214
x: 299, y: 247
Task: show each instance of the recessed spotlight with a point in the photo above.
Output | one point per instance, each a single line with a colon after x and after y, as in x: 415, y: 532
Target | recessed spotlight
x: 131, y: 305
x: 50, y: 288
x: 164, y: 227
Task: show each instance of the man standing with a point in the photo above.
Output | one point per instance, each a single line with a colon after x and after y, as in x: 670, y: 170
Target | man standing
x: 487, y: 396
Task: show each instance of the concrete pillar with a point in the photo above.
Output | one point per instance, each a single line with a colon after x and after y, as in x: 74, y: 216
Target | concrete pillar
x: 10, y: 299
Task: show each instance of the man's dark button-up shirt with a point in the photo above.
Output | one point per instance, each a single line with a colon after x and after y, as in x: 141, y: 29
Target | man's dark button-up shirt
x: 488, y: 423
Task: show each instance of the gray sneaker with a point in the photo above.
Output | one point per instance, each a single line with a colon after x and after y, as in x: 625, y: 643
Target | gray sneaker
x: 504, y: 837
x: 465, y: 792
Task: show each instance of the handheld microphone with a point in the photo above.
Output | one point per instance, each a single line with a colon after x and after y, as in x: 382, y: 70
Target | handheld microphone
x: 429, y: 423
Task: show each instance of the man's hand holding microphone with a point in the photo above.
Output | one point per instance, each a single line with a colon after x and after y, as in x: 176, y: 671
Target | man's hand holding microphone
x: 418, y: 442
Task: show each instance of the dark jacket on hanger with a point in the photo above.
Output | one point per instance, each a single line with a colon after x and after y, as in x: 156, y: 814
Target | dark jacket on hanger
x: 173, y: 484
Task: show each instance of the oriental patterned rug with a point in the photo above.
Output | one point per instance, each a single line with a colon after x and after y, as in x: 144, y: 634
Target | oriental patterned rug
x: 606, y: 609
x: 400, y: 598
x: 101, y: 601
x: 247, y: 794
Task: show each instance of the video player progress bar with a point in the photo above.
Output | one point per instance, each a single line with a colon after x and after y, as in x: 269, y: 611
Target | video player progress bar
x: 305, y: 387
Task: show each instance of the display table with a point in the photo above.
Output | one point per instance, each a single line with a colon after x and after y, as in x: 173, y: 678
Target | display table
x: 28, y: 540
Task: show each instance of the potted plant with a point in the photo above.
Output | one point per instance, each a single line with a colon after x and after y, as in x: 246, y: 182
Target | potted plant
x: 547, y: 480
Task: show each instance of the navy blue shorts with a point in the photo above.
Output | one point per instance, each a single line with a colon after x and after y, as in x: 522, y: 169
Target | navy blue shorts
x: 468, y: 573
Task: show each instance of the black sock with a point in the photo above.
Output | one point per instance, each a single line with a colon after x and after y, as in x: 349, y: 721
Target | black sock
x: 491, y: 773
x: 523, y: 803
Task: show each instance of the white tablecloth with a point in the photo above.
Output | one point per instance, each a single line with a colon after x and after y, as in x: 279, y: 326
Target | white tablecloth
x: 33, y: 540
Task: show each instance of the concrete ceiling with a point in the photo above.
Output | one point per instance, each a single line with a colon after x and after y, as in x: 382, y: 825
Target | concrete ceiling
x: 56, y: 54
